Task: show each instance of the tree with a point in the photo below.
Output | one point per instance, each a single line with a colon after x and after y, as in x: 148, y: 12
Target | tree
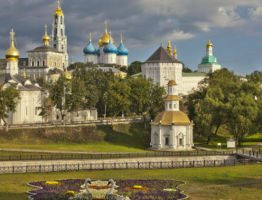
x: 46, y: 110
x: 76, y: 98
x: 139, y: 95
x: 117, y: 97
x: 134, y: 68
x: 8, y: 100
x: 58, y: 92
x: 242, y: 112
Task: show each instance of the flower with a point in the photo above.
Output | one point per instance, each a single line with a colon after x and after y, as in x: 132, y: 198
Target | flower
x: 169, y: 190
x: 51, y: 182
x: 137, y: 187
x: 70, y: 193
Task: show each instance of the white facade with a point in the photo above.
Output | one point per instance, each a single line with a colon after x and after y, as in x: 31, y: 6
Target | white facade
x: 92, y: 58
x: 109, y: 58
x: 12, y: 67
x: 171, y: 129
x: 122, y: 60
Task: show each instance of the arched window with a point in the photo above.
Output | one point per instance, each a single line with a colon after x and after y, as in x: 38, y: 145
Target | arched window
x: 61, y: 20
x: 38, y: 63
x: 33, y: 63
x: 62, y: 32
x: 170, y: 106
x: 43, y: 63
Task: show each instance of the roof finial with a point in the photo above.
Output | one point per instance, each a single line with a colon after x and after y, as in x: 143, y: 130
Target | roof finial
x: 121, y: 38
x: 12, y: 35
x: 90, y: 37
x: 46, y: 37
x: 169, y: 48
x: 175, y: 52
x: 106, y: 23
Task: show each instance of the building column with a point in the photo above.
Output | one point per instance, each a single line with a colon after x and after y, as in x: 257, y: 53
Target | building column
x: 172, y: 134
x: 160, y: 136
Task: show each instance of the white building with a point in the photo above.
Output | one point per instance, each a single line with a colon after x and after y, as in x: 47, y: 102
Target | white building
x: 31, y: 95
x: 164, y: 66
x: 172, y: 128
x: 209, y: 62
x: 107, y: 52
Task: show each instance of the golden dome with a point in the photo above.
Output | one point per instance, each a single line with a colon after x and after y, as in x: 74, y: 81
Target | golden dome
x: 172, y: 98
x: 209, y: 44
x: 169, y: 48
x: 68, y: 76
x: 105, y: 38
x: 12, y: 54
x: 58, y: 10
x: 171, y: 117
x: 171, y: 83
x: 46, y: 37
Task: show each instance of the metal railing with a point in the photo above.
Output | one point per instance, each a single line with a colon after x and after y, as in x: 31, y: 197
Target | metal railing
x: 90, y: 156
x: 38, y: 168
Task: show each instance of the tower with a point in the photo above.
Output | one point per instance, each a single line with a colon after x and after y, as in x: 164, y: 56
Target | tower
x: 209, y: 48
x: 209, y: 62
x: 175, y: 52
x: 122, y: 53
x: 59, y: 38
x: 12, y: 56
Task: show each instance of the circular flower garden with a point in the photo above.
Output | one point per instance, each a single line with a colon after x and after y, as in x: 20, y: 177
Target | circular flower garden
x: 132, y: 189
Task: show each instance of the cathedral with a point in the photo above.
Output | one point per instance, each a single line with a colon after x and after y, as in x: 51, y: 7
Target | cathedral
x: 107, y: 52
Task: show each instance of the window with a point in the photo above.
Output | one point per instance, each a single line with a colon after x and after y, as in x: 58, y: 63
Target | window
x: 43, y: 63
x: 54, y: 45
x: 167, y: 141
x: 38, y: 63
x: 181, y: 141
x: 62, y: 32
x: 56, y: 18
x: 33, y: 63
x: 61, y: 20
x: 170, y: 106
x: 36, y: 110
x: 62, y: 47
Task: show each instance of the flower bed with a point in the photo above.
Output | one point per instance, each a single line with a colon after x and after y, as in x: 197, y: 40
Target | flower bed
x: 134, y: 189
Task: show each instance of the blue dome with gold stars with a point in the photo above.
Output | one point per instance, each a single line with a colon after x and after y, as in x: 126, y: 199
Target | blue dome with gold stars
x: 122, y: 50
x: 110, y: 48
x: 89, y: 49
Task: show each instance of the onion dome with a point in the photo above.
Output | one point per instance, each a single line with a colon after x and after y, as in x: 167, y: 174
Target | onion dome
x: 105, y: 38
x: 46, y: 37
x: 110, y: 48
x: 89, y: 49
x: 58, y: 10
x: 171, y: 83
x: 169, y: 48
x: 122, y: 50
x: 12, y: 54
x: 209, y: 44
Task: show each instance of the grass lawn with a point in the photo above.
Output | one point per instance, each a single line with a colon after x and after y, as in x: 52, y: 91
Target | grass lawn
x: 237, y: 182
x: 248, y: 141
x: 116, y: 138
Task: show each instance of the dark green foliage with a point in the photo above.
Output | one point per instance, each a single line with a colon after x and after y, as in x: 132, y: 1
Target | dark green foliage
x: 224, y: 99
x: 8, y: 100
x: 134, y: 68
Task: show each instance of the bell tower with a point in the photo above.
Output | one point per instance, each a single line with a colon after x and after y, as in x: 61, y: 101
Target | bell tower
x: 59, y: 38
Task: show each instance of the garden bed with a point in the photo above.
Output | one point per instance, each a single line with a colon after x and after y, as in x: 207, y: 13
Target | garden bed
x: 134, y: 189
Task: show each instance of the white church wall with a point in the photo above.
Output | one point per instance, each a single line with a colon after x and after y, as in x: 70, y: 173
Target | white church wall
x: 189, y: 84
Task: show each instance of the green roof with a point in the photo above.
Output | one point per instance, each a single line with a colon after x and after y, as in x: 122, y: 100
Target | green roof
x: 207, y: 60
x: 193, y: 74
x: 136, y: 75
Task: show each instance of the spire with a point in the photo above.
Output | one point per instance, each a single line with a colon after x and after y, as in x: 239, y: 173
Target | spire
x: 46, y: 37
x: 90, y: 37
x: 58, y: 10
x: 169, y: 48
x: 106, y: 23
x: 121, y: 37
x: 24, y: 73
x: 209, y: 48
x: 175, y: 52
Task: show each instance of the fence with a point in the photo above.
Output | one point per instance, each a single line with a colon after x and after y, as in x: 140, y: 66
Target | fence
x: 109, y: 155
x: 251, y: 154
x: 116, y: 165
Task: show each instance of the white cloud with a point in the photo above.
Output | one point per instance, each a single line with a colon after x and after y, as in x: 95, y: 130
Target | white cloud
x: 178, y: 35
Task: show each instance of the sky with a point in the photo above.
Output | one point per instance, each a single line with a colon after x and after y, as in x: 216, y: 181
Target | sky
x: 234, y: 27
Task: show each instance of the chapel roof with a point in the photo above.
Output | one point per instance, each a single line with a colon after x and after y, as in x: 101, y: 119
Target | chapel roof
x: 171, y: 117
x: 44, y: 49
x: 162, y: 56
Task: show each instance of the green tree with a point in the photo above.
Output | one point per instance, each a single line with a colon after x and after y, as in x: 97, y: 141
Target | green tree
x: 242, y: 112
x: 117, y: 97
x: 134, y: 68
x: 59, y: 93
x: 8, y: 100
